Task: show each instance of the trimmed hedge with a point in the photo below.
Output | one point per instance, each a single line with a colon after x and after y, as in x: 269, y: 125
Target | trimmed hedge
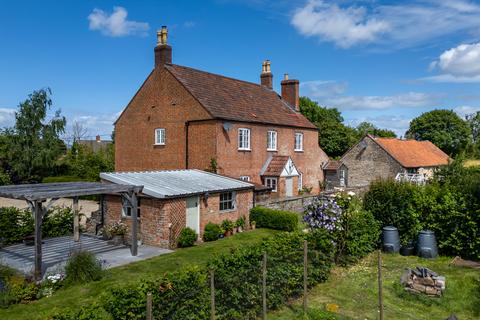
x: 212, y: 232
x: 185, y: 294
x: 274, y: 219
x: 187, y: 238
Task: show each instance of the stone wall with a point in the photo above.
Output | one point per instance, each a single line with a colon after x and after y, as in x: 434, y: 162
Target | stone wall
x: 368, y: 164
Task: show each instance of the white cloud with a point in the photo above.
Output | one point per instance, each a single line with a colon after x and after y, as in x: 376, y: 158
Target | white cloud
x: 459, y: 64
x: 392, y: 26
x: 332, y: 94
x: 116, y: 23
x: 7, y: 117
x: 343, y: 26
x: 463, y: 111
x: 398, y: 124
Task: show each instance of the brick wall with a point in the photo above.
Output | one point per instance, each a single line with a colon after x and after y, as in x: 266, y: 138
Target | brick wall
x: 369, y: 164
x: 161, y: 102
x: 237, y: 163
x: 161, y: 221
x: 210, y: 209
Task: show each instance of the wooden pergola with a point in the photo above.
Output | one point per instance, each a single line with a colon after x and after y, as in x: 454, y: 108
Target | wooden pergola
x: 38, y: 194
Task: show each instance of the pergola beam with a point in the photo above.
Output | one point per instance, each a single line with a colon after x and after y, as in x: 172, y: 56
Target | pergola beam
x: 76, y: 220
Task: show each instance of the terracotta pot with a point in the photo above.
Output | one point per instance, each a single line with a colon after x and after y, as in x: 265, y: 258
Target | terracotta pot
x: 253, y: 227
x: 239, y: 229
x: 228, y: 233
x: 234, y: 230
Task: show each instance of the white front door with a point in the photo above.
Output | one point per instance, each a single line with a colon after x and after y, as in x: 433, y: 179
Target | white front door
x: 289, y: 186
x: 193, y: 214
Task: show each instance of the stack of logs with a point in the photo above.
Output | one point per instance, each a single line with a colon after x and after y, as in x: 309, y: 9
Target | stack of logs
x: 423, y: 280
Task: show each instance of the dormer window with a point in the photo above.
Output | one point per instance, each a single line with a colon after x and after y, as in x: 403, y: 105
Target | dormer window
x: 160, y: 136
x: 272, y: 140
x: 298, y: 141
x: 243, y: 139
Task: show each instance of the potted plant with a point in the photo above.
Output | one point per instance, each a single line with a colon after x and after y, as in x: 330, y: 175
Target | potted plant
x: 252, y: 225
x: 240, y: 224
x: 227, y: 227
x: 117, y: 230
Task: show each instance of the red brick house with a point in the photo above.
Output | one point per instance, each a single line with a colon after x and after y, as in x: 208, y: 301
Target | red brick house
x: 174, y: 199
x: 183, y: 118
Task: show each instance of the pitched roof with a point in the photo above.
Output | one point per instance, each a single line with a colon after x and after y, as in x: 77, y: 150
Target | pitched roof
x: 413, y: 153
x: 176, y: 183
x: 237, y: 100
x: 275, y: 166
x: 332, y: 165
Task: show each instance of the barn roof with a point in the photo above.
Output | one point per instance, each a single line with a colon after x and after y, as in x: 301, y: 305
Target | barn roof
x: 236, y: 100
x: 177, y: 183
x: 413, y: 153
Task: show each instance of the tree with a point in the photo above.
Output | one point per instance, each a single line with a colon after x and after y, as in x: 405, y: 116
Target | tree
x: 444, y: 128
x: 473, y: 121
x: 34, y: 142
x: 334, y: 137
x: 78, y: 131
x: 368, y: 128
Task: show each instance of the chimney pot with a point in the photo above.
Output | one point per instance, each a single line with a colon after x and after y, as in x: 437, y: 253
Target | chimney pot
x: 290, y: 92
x: 266, y: 77
x: 163, y: 52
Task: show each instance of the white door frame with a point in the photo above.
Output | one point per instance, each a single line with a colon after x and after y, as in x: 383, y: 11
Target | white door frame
x: 197, y: 200
x: 289, y: 182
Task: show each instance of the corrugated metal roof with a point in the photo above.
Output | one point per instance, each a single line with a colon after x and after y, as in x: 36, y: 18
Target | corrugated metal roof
x: 176, y: 183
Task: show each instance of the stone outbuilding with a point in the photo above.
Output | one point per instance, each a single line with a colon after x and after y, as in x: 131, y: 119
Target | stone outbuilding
x: 375, y: 158
x: 174, y: 199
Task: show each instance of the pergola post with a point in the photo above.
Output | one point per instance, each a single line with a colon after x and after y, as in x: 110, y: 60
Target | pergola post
x: 134, y: 203
x: 38, y: 216
x: 76, y: 222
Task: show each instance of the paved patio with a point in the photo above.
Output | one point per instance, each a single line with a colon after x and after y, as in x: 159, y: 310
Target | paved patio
x: 57, y: 250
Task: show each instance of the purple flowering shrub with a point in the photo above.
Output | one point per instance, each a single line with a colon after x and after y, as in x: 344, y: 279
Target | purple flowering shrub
x: 323, y: 212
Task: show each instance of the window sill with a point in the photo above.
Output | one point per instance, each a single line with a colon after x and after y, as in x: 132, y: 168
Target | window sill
x: 298, y: 150
x: 272, y: 150
x: 158, y: 144
x: 248, y: 150
x: 227, y: 211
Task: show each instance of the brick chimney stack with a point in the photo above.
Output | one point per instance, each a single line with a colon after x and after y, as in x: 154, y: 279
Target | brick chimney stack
x: 290, y: 92
x: 163, y: 52
x: 266, y: 77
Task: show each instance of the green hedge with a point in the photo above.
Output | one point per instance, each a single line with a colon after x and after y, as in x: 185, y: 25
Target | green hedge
x: 186, y: 294
x: 16, y: 224
x: 274, y: 219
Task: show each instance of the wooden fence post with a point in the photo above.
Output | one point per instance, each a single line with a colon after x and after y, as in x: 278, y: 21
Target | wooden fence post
x: 212, y: 294
x: 149, y: 306
x: 264, y: 286
x: 380, y: 289
x: 305, y: 276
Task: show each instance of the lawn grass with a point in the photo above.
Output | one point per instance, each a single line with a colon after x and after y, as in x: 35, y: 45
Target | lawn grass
x: 85, y: 294
x: 472, y: 163
x: 354, y: 290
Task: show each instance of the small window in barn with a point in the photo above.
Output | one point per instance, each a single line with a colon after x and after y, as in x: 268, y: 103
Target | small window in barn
x: 245, y: 178
x: 271, y: 183
x: 160, y: 136
x: 272, y: 140
x: 243, y: 139
x: 127, y: 208
x: 227, y: 201
x: 298, y: 141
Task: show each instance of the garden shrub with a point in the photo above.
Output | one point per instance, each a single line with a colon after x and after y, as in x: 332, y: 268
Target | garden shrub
x: 93, y: 312
x: 21, y: 289
x: 391, y: 204
x: 227, y: 225
x: 274, y: 219
x: 81, y: 267
x: 212, y: 232
x: 187, y: 238
x: 16, y: 224
x: 353, y: 230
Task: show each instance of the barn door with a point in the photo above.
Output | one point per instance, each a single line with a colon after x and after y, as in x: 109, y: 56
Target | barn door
x: 193, y: 214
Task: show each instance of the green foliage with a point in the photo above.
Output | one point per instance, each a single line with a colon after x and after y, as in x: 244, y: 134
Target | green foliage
x: 6, y: 297
x: 227, y: 225
x: 358, y: 234
x: 212, y: 232
x: 444, y: 128
x: 365, y: 128
x: 81, y: 161
x: 274, y: 219
x: 4, y: 178
x: 34, y: 143
x: 93, y: 312
x: 391, y: 204
x: 21, y: 289
x: 187, y: 238
x: 240, y: 222
x: 16, y: 224
x: 81, y: 267
x: 62, y: 179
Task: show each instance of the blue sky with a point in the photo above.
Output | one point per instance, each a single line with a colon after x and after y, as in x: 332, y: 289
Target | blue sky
x: 380, y: 61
